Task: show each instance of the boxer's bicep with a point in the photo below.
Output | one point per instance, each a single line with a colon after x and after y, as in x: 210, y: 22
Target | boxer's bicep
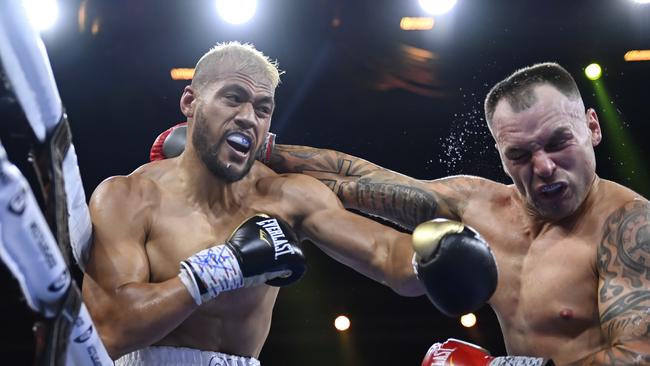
x: 624, y: 285
x: 118, y: 253
x: 128, y: 310
x: 338, y: 171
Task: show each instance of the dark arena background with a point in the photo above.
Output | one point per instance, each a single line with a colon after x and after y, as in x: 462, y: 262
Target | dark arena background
x: 409, y: 100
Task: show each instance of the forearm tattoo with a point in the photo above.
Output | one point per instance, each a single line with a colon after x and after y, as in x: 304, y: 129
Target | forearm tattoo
x: 624, y: 293
x: 405, y: 205
x: 362, y: 185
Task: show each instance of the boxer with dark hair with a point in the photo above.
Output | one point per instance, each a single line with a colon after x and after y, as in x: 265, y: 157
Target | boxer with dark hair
x: 188, y: 251
x: 572, y: 249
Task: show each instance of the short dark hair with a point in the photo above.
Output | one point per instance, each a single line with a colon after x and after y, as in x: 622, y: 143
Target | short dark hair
x: 517, y: 88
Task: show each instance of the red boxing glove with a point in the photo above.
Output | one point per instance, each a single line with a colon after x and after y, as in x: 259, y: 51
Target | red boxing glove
x: 171, y: 143
x: 458, y: 353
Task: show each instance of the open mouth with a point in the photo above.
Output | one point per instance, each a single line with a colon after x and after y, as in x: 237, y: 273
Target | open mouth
x: 239, y: 142
x: 552, y: 190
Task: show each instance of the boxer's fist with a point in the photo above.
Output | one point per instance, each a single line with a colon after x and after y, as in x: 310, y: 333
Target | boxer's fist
x: 268, y: 251
x: 459, y: 353
x: 262, y: 249
x: 171, y: 143
x: 455, y: 265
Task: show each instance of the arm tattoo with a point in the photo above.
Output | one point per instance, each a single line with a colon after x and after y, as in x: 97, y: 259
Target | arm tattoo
x: 624, y: 294
x: 365, y: 186
x: 303, y: 159
x: 405, y: 205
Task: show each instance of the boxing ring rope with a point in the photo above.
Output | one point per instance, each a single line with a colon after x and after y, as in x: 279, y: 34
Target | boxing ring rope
x: 34, y: 241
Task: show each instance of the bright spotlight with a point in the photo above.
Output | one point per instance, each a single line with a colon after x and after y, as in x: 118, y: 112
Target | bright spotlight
x: 342, y: 323
x: 42, y: 13
x: 593, y: 71
x: 236, y: 11
x: 642, y: 1
x: 437, y: 7
x: 468, y: 320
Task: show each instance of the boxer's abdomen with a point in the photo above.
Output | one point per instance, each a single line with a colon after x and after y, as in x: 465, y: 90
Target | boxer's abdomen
x: 236, y: 322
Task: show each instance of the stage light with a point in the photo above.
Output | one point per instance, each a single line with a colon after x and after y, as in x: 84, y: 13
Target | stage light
x: 416, y: 23
x: 182, y: 73
x: 82, y: 15
x: 637, y: 55
x: 236, y: 11
x: 437, y: 7
x: 593, y: 71
x: 642, y: 1
x: 42, y: 13
x: 342, y: 323
x: 468, y: 320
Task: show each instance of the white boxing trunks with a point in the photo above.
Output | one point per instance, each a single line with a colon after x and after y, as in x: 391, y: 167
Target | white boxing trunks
x: 177, y: 356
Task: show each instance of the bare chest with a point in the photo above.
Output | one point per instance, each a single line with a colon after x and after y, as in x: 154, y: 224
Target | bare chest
x: 546, y: 298
x: 551, y: 285
x: 180, y: 229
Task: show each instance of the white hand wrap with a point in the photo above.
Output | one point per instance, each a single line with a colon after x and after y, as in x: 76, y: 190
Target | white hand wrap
x: 211, y: 271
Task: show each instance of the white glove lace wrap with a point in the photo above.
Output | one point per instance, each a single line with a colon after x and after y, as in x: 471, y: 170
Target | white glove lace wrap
x: 211, y: 271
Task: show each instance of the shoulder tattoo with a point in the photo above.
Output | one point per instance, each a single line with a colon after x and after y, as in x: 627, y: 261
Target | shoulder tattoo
x: 624, y: 271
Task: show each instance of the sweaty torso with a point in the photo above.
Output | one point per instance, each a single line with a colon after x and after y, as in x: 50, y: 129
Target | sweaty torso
x: 546, y: 299
x: 235, y: 322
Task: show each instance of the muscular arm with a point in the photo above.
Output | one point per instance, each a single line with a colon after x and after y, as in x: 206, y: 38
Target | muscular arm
x: 370, y: 248
x: 624, y: 287
x: 365, y: 186
x: 129, y: 312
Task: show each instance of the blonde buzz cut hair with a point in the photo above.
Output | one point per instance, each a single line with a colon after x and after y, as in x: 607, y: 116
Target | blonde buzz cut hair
x: 243, y: 57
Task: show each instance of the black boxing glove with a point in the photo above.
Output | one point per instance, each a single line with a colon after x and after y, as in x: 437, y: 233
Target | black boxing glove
x: 262, y: 249
x: 455, y: 265
x: 171, y: 143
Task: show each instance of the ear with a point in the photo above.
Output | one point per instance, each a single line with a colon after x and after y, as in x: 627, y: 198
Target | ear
x: 594, y: 127
x: 188, y: 101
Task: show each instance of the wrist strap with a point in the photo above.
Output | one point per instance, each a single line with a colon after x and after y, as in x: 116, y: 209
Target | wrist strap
x: 189, y: 281
x: 519, y: 361
x: 210, y: 272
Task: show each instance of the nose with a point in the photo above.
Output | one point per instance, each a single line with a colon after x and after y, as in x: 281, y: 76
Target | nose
x: 245, y: 118
x: 543, y: 165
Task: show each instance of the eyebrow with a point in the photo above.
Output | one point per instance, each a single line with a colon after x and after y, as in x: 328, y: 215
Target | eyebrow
x: 557, y: 134
x: 241, y: 90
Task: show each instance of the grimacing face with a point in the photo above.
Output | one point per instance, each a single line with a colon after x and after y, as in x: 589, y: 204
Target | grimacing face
x: 548, y: 151
x: 231, y: 119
